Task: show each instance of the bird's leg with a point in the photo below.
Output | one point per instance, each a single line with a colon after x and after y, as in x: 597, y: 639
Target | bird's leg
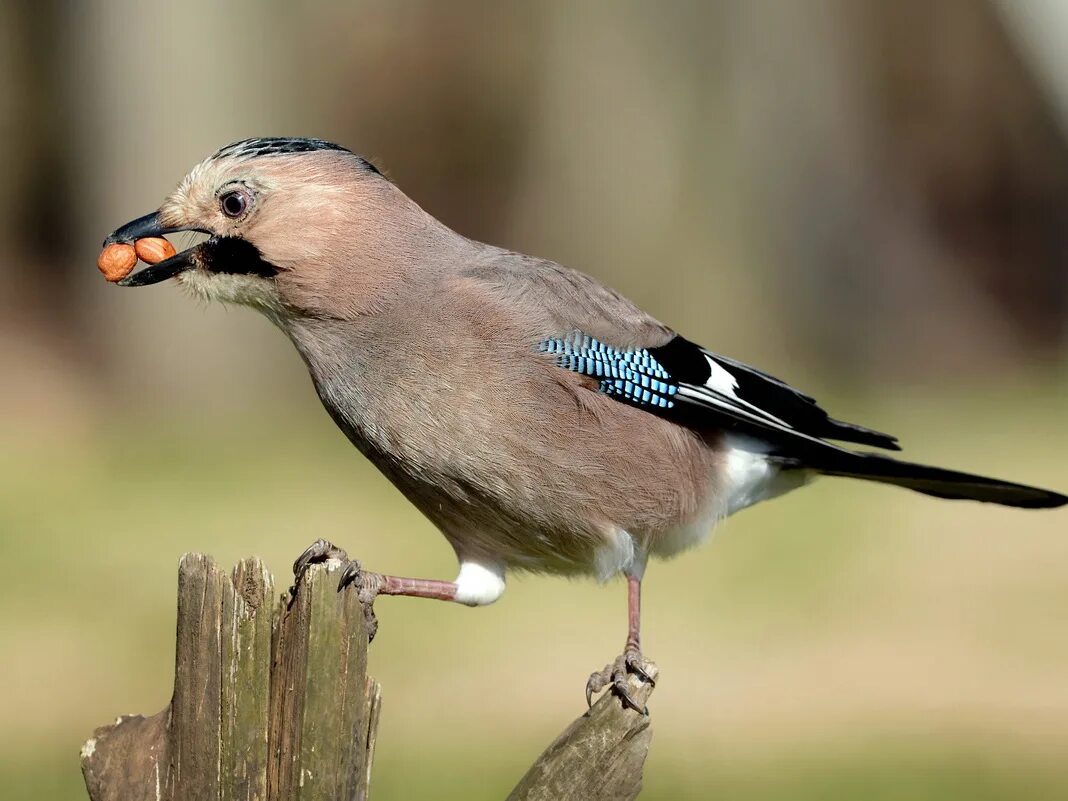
x: 370, y: 585
x: 476, y: 585
x: 632, y: 651
x: 630, y: 661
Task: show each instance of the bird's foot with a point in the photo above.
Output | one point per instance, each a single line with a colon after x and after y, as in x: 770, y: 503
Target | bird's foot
x: 629, y: 663
x: 367, y: 586
x: 316, y: 553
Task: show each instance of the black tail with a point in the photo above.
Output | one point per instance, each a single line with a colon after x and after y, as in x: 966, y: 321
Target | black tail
x: 936, y: 481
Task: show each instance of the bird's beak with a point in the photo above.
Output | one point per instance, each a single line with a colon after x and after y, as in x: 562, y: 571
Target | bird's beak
x: 147, y: 226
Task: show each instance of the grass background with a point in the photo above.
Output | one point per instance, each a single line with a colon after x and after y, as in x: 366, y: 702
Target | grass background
x: 849, y: 641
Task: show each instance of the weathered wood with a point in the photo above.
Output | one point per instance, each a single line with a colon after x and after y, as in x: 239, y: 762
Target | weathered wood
x: 271, y: 699
x: 272, y: 702
x: 246, y: 662
x: 193, y: 771
x: 127, y: 759
x: 599, y: 757
x: 322, y: 702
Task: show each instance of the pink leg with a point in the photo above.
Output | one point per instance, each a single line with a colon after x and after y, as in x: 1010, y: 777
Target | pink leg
x: 417, y: 588
x: 631, y: 660
x: 634, y: 614
x: 371, y: 585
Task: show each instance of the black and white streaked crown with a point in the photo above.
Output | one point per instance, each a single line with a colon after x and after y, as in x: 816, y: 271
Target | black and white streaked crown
x: 280, y: 145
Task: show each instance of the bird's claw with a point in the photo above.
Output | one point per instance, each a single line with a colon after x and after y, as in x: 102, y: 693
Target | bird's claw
x: 615, y: 675
x: 316, y: 553
x: 367, y: 586
x: 635, y: 663
x: 350, y: 574
x: 319, y: 551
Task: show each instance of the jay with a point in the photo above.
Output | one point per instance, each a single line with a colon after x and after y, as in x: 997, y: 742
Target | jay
x: 539, y: 419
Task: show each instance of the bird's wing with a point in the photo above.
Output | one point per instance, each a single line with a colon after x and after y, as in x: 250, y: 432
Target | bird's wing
x: 588, y: 329
x: 638, y: 360
x: 685, y: 382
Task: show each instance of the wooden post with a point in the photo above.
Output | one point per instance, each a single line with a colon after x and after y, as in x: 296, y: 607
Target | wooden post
x: 599, y: 757
x: 271, y: 700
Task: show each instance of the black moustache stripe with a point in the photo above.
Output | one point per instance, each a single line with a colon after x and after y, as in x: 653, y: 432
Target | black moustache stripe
x: 235, y: 256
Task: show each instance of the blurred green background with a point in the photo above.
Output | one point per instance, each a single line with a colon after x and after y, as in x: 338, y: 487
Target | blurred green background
x: 866, y: 198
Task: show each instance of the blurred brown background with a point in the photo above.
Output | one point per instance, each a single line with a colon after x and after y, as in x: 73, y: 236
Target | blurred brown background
x: 866, y: 198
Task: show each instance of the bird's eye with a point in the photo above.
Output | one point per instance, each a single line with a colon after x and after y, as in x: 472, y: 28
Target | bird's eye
x: 234, y: 203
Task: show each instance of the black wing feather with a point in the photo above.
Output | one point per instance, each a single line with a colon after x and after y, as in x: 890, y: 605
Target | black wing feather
x: 758, y: 395
x: 685, y: 383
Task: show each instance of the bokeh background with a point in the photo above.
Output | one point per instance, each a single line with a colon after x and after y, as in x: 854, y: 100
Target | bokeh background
x: 866, y: 198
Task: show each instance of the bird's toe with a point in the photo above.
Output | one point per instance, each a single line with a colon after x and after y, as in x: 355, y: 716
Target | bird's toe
x: 350, y: 575
x: 638, y: 665
x: 367, y: 586
x: 622, y: 692
x: 617, y: 676
x: 318, y: 551
x: 597, y: 681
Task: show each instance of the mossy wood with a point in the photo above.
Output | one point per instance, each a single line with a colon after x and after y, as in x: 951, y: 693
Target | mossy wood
x: 272, y: 702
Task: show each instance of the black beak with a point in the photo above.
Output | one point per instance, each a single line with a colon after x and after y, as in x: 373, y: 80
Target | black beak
x: 168, y: 268
x: 146, y: 226
x: 149, y: 225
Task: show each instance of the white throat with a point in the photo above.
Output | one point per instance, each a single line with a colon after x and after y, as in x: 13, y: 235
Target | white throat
x: 245, y: 290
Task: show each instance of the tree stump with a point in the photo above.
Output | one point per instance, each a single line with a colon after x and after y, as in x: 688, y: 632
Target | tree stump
x: 271, y: 702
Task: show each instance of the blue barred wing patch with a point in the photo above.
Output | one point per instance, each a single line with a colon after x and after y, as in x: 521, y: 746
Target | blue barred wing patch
x: 632, y: 375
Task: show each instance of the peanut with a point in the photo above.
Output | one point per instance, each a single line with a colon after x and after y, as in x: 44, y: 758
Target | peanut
x: 116, y: 261
x: 153, y: 249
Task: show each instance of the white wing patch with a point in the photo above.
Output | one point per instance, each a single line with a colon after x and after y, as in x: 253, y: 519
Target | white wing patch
x: 721, y: 379
x: 723, y: 382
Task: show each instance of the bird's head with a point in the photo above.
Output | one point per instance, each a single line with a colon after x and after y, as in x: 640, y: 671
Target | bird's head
x: 294, y: 225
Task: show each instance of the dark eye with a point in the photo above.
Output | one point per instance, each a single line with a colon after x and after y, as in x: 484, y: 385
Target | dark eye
x: 234, y: 203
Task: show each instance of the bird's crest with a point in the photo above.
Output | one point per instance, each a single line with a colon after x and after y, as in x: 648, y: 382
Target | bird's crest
x: 281, y: 145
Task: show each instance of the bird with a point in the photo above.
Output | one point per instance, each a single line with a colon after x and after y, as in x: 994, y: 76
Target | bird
x: 539, y: 419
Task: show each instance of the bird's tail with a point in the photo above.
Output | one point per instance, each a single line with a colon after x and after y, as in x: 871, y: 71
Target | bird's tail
x: 935, y: 480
